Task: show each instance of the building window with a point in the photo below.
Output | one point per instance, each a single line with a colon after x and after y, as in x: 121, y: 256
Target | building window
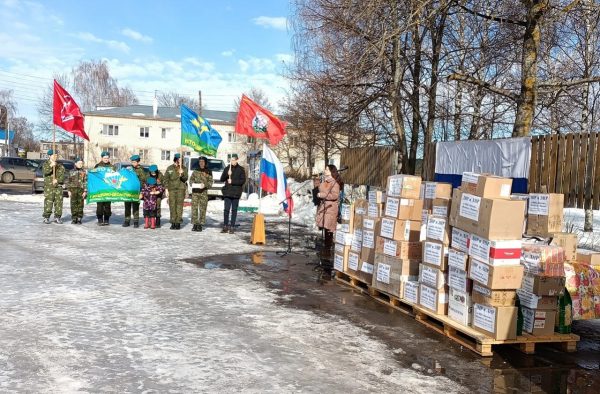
x: 113, y: 152
x: 110, y: 129
x: 231, y: 137
x: 144, y: 132
x: 187, y: 154
x: 143, y: 154
x: 165, y: 155
x: 163, y: 133
x: 251, y: 140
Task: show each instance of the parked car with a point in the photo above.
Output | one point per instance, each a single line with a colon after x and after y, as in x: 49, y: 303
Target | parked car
x: 216, y: 166
x: 17, y: 169
x: 37, y: 186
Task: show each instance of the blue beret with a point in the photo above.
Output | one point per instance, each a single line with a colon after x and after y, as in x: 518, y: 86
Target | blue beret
x: 104, y: 153
x: 78, y: 159
x: 50, y: 152
x: 135, y: 158
x: 177, y: 156
x: 151, y: 181
x: 153, y: 168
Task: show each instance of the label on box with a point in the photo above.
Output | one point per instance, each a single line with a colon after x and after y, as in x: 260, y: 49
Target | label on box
x: 527, y: 299
x: 470, y: 177
x: 368, y: 224
x: 440, y: 210
x: 469, y: 206
x: 343, y: 238
x: 433, y: 253
x: 457, y: 259
x: 505, y: 190
x: 428, y: 297
x: 407, y: 230
x: 344, y: 227
x: 532, y: 262
x: 346, y: 211
x: 338, y: 263
x: 533, y: 319
x: 480, y: 248
x: 387, y: 227
x: 460, y: 240
x: 410, y: 291
x: 430, y: 189
x: 436, y: 228
x: 389, y: 247
x: 395, y: 187
x: 391, y: 207
x: 339, y: 248
x: 383, y: 273
x: 373, y: 210
x: 480, y: 271
x: 369, y: 239
x: 353, y: 261
x: 538, y: 204
x: 457, y: 278
x: 366, y: 267
x: 429, y: 276
x: 373, y: 196
x: 424, y: 215
x: 528, y: 283
x: 482, y: 290
x: 357, y: 241
x: 484, y: 317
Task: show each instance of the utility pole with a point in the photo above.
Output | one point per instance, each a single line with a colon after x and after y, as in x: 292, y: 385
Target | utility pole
x: 4, y: 126
x: 200, y: 102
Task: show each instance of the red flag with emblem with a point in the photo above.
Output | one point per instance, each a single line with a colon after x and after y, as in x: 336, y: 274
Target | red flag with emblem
x: 67, y: 113
x: 255, y: 121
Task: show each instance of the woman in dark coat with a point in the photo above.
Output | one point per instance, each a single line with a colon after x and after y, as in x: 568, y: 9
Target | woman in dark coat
x: 327, y: 211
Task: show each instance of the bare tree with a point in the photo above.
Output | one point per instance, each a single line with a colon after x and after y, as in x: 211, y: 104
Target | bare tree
x: 173, y: 99
x: 257, y: 95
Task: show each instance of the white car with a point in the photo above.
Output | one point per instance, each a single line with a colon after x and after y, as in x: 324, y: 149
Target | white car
x: 216, y: 166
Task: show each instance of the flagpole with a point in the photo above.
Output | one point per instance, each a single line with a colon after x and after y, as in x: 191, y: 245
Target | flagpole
x: 53, y: 151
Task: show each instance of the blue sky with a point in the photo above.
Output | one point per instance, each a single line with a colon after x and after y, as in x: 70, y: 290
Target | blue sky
x: 220, y: 47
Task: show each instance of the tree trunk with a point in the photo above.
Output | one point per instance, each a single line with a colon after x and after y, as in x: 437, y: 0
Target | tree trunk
x: 415, y: 99
x: 476, y: 121
x: 396, y: 105
x: 588, y: 225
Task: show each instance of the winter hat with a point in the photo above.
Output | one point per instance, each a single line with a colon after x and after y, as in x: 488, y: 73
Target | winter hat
x: 78, y: 159
x: 234, y: 156
x: 177, y: 156
x: 151, y: 181
x: 153, y: 168
x: 135, y: 158
x: 104, y: 153
x: 50, y: 152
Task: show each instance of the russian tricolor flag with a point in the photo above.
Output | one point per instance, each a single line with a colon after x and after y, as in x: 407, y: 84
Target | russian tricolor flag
x: 272, y: 179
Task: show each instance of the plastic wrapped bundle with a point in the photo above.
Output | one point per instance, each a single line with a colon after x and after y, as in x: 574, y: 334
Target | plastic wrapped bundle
x: 541, y: 259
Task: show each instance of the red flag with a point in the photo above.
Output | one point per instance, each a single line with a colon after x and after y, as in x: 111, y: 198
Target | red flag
x: 67, y: 113
x: 255, y: 121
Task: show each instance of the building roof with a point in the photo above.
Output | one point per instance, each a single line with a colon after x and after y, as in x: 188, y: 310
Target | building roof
x: 164, y: 113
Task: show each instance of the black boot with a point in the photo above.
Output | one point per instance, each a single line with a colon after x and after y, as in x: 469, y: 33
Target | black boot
x: 100, y: 221
x: 178, y: 226
x: 136, y: 224
x: 195, y: 228
x: 126, y: 223
x: 231, y: 229
x: 74, y: 221
x: 106, y: 219
x: 158, y: 222
x: 172, y: 226
x: 225, y: 229
x: 199, y: 227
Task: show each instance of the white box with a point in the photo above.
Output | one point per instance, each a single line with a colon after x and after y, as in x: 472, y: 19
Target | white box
x: 460, y: 240
x: 459, y: 279
x: 495, y: 253
x: 357, y: 238
x: 411, y: 292
x: 343, y: 238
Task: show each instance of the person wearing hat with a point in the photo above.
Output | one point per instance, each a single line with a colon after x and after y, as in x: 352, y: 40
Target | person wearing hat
x: 234, y: 177
x: 77, y: 187
x: 176, y: 177
x: 150, y: 194
x: 154, y: 173
x: 131, y: 205
x: 200, y: 181
x: 54, y: 177
x: 103, y: 210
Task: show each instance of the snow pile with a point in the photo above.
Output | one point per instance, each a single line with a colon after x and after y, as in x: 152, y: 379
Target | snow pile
x: 36, y: 198
x: 574, y: 220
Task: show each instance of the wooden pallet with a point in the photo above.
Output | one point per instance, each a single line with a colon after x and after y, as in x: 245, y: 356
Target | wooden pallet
x: 352, y: 281
x: 481, y: 343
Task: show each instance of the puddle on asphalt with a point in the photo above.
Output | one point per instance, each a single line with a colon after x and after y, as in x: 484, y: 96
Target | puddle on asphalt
x: 414, y: 346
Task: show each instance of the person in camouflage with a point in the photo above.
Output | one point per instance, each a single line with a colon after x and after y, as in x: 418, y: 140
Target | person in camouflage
x: 54, y: 177
x: 200, y: 180
x: 77, y: 186
x: 176, y: 177
x: 103, y: 210
x: 130, y: 205
x: 158, y: 176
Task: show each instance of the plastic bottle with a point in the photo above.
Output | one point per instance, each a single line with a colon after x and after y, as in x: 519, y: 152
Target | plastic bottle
x: 565, y: 313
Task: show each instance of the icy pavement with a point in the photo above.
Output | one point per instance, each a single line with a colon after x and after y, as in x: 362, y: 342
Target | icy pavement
x: 112, y: 309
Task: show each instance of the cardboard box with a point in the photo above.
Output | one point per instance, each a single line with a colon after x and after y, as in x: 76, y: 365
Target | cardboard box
x: 403, y: 208
x: 432, y: 277
x: 372, y: 224
x: 486, y: 296
x: 538, y: 322
x: 455, y: 207
x: 353, y: 263
x: 567, y: 241
x: 499, y: 322
x: 543, y: 285
x: 368, y: 255
x: 435, y: 254
x: 545, y: 214
x: 369, y: 239
x: 374, y: 210
x: 458, y: 259
x: 347, y: 214
x: 343, y: 238
x: 405, y: 186
x: 433, y: 190
x: 469, y: 182
x: 435, y: 300
x: 491, y: 186
x: 389, y: 272
x: 588, y: 257
x: 438, y: 229
x: 459, y: 279
x: 460, y: 240
x: 460, y: 307
x: 492, y: 219
x: 400, y: 230
x: 532, y: 301
x: 361, y: 206
x: 340, y: 258
x: 505, y: 277
x: 400, y: 249
x: 376, y: 197
x: 441, y: 207
x: 357, y: 239
x: 365, y: 271
x: 495, y: 253
x: 358, y: 221
x: 410, y: 292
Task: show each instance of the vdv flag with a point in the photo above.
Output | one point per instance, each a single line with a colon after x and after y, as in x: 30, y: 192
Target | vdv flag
x: 197, y: 133
x: 106, y: 185
x: 273, y: 180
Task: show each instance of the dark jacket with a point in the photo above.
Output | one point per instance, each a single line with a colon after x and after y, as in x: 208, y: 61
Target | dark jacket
x: 238, y: 178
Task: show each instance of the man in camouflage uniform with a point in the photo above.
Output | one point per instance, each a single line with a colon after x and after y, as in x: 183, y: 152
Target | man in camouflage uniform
x: 130, y: 205
x: 103, y: 210
x: 77, y: 186
x: 200, y: 181
x: 54, y: 177
x: 156, y: 174
x: 176, y: 177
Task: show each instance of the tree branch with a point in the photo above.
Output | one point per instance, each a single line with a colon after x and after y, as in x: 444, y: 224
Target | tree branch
x: 486, y: 85
x: 493, y: 18
x: 566, y: 84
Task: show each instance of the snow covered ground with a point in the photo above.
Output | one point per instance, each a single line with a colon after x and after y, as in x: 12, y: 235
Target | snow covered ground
x: 112, y: 309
